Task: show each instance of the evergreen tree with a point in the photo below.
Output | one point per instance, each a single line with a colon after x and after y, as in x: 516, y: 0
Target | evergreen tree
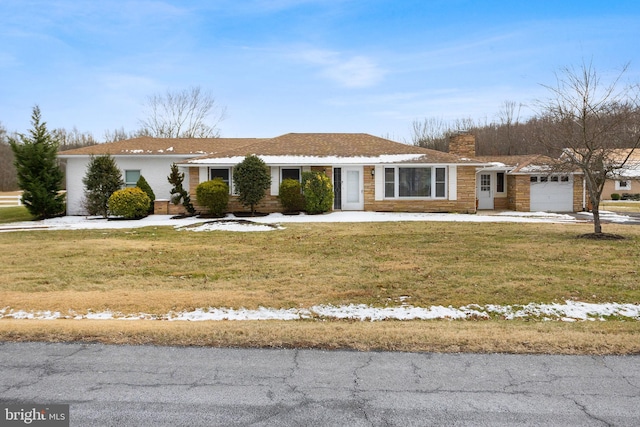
x: 103, y: 178
x: 178, y: 192
x: 39, y: 175
x: 252, y: 179
x: 144, y: 186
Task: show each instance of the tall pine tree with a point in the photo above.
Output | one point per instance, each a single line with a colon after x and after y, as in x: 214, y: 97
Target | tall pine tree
x: 39, y: 174
x: 102, y: 179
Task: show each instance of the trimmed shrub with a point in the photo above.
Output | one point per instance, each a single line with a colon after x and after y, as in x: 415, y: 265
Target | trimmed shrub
x: 615, y: 196
x: 290, y: 194
x: 213, y: 195
x: 318, y: 192
x: 144, y: 186
x: 129, y: 203
x: 252, y: 179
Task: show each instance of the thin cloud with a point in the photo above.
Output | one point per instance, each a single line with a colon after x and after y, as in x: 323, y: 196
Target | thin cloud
x: 357, y: 71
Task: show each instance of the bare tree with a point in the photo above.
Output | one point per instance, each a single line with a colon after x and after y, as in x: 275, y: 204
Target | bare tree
x: 8, y: 177
x: 431, y: 132
x: 509, y: 119
x: 589, y: 121
x: 121, y: 134
x: 189, y: 113
x: 69, y: 139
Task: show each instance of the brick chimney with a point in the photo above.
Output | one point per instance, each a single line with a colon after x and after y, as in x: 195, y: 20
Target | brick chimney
x: 463, y: 145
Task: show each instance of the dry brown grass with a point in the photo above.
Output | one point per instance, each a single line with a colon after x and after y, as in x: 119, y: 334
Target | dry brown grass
x: 157, y: 270
x: 620, y: 206
x: 415, y: 336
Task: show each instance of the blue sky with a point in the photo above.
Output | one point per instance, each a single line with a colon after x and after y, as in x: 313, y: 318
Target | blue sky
x: 282, y: 66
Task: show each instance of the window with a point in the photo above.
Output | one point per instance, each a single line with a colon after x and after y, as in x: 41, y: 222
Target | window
x: 554, y: 178
x: 415, y: 182
x: 623, y: 185
x: 389, y: 182
x: 220, y: 173
x: 500, y: 182
x: 533, y: 179
x: 440, y: 182
x: 544, y: 178
x: 564, y: 178
x: 131, y: 178
x: 290, y: 173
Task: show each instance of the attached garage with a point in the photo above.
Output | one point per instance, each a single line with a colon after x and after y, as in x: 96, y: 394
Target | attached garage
x: 551, y: 193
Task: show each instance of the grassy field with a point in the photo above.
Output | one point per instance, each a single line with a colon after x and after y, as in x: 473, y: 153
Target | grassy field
x: 157, y: 270
x: 620, y: 206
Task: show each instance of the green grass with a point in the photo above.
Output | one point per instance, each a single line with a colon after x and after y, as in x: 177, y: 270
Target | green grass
x: 14, y: 214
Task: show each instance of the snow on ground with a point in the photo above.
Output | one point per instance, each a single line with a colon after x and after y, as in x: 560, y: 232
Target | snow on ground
x: 570, y: 311
x: 606, y: 216
x: 88, y: 223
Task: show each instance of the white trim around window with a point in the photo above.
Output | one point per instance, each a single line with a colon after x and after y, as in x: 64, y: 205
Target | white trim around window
x: 415, y: 182
x: 623, y: 184
x: 131, y: 177
x: 225, y: 173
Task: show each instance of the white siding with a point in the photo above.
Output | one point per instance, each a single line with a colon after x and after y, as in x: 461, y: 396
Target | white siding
x: 154, y: 169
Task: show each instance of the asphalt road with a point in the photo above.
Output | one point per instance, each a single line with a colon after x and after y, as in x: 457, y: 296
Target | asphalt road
x: 169, y: 386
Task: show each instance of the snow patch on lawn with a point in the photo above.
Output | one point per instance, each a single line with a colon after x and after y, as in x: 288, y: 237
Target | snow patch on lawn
x: 99, y: 223
x: 607, y: 216
x: 570, y: 311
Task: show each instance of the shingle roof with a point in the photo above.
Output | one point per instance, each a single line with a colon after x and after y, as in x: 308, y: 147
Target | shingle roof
x: 147, y: 145
x: 318, y: 145
x: 338, y: 145
x: 522, y: 164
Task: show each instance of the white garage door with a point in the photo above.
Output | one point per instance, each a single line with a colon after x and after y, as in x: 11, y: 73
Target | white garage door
x: 551, y: 193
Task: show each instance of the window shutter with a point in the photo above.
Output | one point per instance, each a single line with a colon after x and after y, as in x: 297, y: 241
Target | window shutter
x: 379, y: 182
x: 275, y: 181
x: 453, y: 182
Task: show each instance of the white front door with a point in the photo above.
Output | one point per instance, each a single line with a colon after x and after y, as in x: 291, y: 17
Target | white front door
x: 485, y: 191
x: 352, y: 189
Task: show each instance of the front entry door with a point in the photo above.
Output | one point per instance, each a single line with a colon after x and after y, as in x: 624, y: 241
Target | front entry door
x: 352, y: 189
x: 485, y: 191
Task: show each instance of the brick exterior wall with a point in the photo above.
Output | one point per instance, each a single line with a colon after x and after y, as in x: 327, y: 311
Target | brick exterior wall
x: 466, y: 202
x: 518, y: 189
x: 463, y: 145
x: 501, y: 203
x: 466, y: 193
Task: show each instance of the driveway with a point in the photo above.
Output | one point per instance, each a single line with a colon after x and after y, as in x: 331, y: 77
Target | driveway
x: 171, y: 386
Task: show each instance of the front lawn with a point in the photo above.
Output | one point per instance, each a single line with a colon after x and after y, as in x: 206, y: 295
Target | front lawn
x: 156, y: 270
x: 10, y: 214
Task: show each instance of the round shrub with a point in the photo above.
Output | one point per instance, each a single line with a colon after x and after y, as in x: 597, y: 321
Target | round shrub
x: 615, y: 196
x: 129, y: 203
x: 213, y: 195
x: 318, y: 192
x: 290, y: 194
